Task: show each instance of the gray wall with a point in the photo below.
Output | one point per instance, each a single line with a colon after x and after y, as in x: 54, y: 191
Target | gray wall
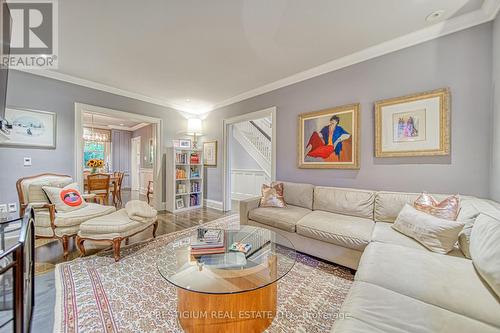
x: 146, y: 134
x: 35, y: 92
x: 495, y: 160
x: 121, y: 150
x: 461, y: 61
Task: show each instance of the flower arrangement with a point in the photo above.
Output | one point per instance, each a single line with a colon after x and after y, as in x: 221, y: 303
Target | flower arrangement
x: 94, y: 164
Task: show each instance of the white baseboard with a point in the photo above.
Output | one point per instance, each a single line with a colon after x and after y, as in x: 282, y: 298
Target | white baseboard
x: 213, y: 204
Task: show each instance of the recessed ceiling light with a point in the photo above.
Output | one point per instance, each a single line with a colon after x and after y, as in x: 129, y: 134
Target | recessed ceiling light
x: 188, y: 100
x: 122, y: 124
x: 434, y: 15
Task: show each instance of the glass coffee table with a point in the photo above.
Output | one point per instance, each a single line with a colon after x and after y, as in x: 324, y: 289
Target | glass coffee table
x: 227, y: 291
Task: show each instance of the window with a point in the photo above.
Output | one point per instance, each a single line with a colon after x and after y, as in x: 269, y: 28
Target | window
x: 97, y: 144
x: 92, y: 150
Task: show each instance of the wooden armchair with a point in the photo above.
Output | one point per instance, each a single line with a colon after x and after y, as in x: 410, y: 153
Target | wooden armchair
x: 48, y: 222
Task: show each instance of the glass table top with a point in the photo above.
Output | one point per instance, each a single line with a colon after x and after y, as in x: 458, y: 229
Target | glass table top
x: 214, y: 264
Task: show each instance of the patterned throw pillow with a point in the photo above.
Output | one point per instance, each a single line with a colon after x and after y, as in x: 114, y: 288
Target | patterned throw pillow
x: 65, y: 199
x: 272, y: 196
x: 447, y: 209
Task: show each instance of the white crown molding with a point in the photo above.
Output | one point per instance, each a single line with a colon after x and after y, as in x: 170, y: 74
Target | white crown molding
x: 487, y: 12
x: 97, y: 86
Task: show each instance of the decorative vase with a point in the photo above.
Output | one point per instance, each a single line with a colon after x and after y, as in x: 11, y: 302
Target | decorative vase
x: 93, y: 171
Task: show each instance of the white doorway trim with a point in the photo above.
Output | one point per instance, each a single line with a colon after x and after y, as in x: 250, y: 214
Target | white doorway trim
x: 134, y: 169
x: 80, y: 108
x: 226, y: 123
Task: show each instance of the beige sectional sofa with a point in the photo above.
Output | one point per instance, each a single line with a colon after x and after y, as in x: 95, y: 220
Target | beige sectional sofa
x: 399, y: 286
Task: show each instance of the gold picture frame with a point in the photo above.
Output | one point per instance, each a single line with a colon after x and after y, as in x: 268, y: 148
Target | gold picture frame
x: 413, y: 125
x: 210, y: 153
x: 340, y: 125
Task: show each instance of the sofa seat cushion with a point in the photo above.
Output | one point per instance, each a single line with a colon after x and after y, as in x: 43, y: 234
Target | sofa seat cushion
x: 75, y: 217
x: 281, y: 218
x: 447, y: 282
x: 111, y: 226
x: 348, y: 231
x: 384, y: 233
x: 372, y: 309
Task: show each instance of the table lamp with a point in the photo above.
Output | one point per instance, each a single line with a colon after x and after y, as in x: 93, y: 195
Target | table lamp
x: 194, y: 129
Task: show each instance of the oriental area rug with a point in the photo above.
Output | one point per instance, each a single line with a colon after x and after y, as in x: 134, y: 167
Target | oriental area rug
x: 95, y: 294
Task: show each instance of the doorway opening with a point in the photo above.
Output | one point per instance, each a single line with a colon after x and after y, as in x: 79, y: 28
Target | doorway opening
x: 129, y: 146
x: 249, y: 155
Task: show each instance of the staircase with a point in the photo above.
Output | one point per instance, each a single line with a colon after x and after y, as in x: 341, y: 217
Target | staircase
x: 255, y: 137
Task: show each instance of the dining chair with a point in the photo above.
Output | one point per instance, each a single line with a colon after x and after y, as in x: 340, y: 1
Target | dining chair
x: 150, y: 190
x: 98, y: 184
x: 117, y: 187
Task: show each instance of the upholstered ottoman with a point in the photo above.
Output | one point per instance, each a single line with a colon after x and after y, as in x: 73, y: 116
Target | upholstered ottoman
x: 112, y: 228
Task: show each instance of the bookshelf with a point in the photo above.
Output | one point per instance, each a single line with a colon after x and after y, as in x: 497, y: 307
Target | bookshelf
x: 184, y: 179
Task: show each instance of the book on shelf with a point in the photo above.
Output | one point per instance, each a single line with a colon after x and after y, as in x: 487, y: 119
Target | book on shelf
x: 194, y: 199
x: 195, y: 158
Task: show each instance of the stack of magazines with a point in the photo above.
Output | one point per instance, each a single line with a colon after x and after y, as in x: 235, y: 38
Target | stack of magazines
x: 208, y: 241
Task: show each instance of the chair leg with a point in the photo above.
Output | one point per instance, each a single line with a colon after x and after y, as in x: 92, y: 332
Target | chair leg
x: 127, y: 240
x: 116, y: 248
x: 65, y: 244
x: 79, y: 244
x: 155, y: 226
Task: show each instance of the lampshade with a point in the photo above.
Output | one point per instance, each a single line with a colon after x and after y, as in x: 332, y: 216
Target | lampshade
x: 194, y: 126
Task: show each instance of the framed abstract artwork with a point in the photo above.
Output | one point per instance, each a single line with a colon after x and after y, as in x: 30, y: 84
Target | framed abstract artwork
x: 414, y: 125
x: 31, y: 128
x: 210, y: 153
x: 329, y: 138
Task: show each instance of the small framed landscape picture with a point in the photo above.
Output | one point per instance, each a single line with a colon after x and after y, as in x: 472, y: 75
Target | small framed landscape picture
x: 179, y: 203
x: 329, y: 138
x: 414, y: 125
x: 31, y: 128
x: 210, y: 153
x: 184, y: 143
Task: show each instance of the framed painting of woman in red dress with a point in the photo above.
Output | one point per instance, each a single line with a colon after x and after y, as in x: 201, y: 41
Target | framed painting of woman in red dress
x: 329, y: 138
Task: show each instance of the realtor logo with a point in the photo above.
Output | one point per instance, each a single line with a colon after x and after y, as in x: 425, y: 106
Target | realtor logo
x: 33, y: 34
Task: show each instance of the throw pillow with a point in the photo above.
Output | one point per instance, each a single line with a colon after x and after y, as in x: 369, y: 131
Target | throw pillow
x: 447, y: 209
x: 436, y: 234
x: 272, y: 196
x: 485, y: 250
x: 65, y: 199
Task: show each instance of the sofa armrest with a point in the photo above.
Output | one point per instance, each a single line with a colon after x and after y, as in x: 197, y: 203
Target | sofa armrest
x: 246, y: 206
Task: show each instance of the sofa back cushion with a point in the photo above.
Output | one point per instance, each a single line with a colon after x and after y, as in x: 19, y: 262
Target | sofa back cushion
x: 344, y: 201
x: 32, y: 187
x: 389, y: 204
x: 297, y: 194
x: 485, y: 250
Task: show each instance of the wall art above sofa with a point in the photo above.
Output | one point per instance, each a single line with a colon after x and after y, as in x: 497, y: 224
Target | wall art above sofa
x: 414, y: 125
x: 329, y: 138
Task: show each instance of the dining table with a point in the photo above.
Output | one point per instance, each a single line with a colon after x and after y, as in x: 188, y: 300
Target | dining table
x: 113, y: 179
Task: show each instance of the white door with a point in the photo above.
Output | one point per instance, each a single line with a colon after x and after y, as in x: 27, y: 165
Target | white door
x: 135, y: 165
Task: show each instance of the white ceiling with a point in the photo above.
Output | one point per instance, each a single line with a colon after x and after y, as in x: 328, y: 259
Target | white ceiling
x: 195, y: 55
x: 103, y: 121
